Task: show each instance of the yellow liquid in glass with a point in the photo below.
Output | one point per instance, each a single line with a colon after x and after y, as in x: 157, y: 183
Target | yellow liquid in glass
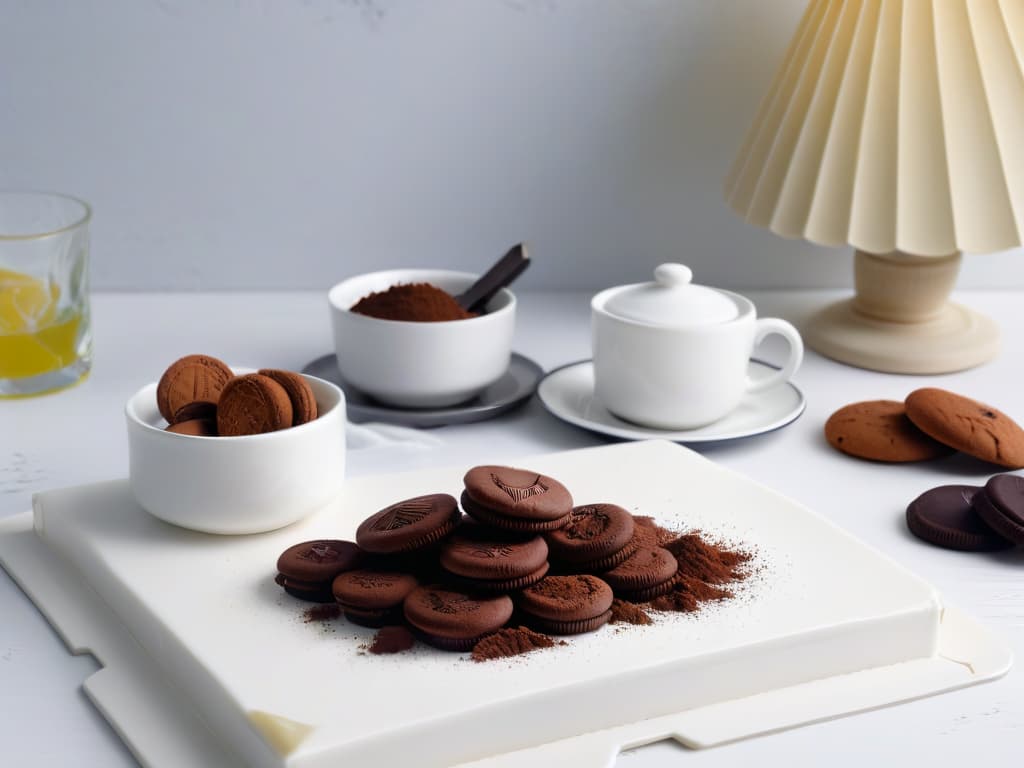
x: 33, y: 339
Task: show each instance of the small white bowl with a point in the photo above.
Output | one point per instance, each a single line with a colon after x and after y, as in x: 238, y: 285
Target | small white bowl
x: 235, y: 485
x: 420, y: 365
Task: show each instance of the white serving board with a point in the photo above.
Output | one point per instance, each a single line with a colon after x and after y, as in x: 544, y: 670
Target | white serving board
x: 192, y: 631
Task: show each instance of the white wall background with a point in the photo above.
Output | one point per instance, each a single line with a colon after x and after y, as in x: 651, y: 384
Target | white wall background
x: 288, y: 143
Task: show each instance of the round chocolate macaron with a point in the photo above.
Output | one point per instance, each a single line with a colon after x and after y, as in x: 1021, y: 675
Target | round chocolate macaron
x: 879, y: 430
x: 192, y: 378
x: 595, y: 538
x: 251, y: 405
x: 373, y: 598
x: 515, y: 499
x: 481, y: 561
x: 1001, y: 505
x: 567, y: 605
x: 409, y: 525
x: 946, y: 516
x: 306, y: 570
x: 647, y: 573
x: 455, y: 621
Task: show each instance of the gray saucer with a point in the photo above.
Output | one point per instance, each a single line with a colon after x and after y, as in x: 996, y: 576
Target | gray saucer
x: 518, y: 384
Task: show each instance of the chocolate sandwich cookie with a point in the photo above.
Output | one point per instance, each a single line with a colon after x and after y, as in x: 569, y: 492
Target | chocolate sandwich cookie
x: 373, y: 598
x: 596, y: 537
x: 879, y: 430
x: 967, y: 425
x: 515, y: 499
x: 1001, y: 506
x: 946, y: 516
x: 566, y: 605
x: 409, y: 525
x: 192, y: 378
x: 479, y: 561
x: 251, y: 405
x: 455, y: 621
x: 306, y: 570
x: 299, y: 393
x: 646, y: 574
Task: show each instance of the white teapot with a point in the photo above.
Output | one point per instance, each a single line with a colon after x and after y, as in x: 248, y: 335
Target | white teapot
x: 674, y: 355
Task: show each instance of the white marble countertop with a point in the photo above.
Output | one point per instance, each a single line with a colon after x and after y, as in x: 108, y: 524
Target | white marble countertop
x: 78, y: 437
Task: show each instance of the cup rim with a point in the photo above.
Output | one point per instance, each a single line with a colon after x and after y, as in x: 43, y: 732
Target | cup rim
x: 82, y: 219
x: 425, y: 273
x: 745, y: 305
x: 134, y: 418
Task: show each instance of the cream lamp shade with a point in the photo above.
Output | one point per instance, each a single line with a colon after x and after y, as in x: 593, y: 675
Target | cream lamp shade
x: 897, y: 127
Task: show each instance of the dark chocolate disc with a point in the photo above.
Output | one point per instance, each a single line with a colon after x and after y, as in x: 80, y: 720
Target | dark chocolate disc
x: 944, y: 516
x: 518, y: 493
x: 1001, y: 506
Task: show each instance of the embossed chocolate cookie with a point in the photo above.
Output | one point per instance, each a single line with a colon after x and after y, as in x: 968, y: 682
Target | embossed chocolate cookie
x: 645, y: 568
x: 475, y: 555
x: 455, y: 621
x: 409, y: 525
x: 192, y: 378
x: 251, y: 405
x: 306, y: 570
x: 515, y: 499
x: 299, y: 393
x: 967, y: 425
x: 593, y: 536
x: 373, y: 598
x: 567, y: 605
x: 879, y: 430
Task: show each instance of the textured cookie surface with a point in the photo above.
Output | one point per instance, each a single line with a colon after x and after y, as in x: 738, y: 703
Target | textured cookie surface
x: 645, y: 568
x: 409, y: 525
x: 475, y: 555
x: 372, y: 590
x: 944, y: 516
x: 592, y: 532
x: 446, y: 614
x: 190, y: 379
x: 567, y: 598
x: 299, y: 392
x: 251, y: 405
x: 880, y: 430
x: 967, y: 425
x: 518, y: 493
x: 319, y: 560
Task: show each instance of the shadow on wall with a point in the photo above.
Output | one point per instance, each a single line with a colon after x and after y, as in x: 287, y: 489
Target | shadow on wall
x: 285, y: 145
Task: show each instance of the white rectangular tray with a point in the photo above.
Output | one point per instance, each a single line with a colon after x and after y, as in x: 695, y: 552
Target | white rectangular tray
x: 205, y: 657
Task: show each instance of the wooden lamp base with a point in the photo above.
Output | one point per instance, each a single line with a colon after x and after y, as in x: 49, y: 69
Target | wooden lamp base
x: 901, y: 320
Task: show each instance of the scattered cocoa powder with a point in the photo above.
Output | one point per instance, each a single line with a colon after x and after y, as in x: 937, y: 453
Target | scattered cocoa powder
x: 511, y: 642
x: 417, y: 302
x: 391, y: 640
x: 624, y: 612
x: 321, y: 612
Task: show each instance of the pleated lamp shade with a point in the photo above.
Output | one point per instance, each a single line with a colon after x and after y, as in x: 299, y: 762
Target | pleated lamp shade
x: 893, y: 125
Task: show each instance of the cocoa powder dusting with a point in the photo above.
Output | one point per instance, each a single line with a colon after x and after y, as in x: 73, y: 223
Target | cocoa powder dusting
x: 624, y: 612
x: 415, y: 302
x: 391, y: 640
x: 511, y: 642
x: 703, y: 567
x: 322, y: 612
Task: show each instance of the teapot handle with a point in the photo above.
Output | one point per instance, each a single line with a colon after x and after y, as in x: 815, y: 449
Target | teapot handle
x: 769, y: 325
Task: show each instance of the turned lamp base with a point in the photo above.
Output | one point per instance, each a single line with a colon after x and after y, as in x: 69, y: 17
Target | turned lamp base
x: 901, y: 321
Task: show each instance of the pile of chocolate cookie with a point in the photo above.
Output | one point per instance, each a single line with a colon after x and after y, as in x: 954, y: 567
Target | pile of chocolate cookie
x: 522, y: 554
x: 929, y: 424
x: 199, y: 395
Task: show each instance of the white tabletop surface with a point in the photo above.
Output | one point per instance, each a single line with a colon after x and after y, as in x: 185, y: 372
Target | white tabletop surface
x: 78, y: 436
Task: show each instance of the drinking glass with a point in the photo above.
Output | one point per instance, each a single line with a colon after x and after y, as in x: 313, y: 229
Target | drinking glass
x: 45, y: 334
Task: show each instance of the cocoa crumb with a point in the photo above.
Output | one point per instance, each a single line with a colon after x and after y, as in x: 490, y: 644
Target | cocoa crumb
x: 511, y: 642
x: 625, y: 612
x: 391, y: 640
x: 321, y: 612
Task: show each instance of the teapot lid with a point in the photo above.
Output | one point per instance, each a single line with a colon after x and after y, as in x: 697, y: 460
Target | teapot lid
x: 672, y: 300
